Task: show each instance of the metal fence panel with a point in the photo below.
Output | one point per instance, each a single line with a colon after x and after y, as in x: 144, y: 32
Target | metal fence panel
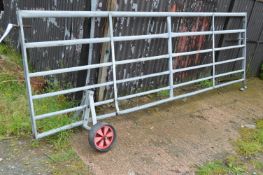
x: 169, y: 71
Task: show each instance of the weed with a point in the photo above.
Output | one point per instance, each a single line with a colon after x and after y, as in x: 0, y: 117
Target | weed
x: 251, y: 142
x: 212, y: 168
x: 165, y: 93
x: 206, y: 83
x: 234, y: 165
x: 249, y: 146
x: 14, y: 114
x: 15, y: 120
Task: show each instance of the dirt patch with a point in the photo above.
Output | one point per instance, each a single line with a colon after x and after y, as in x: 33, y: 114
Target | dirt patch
x: 177, y: 137
x: 18, y: 157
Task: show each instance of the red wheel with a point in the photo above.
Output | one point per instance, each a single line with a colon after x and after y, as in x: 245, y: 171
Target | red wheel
x: 102, y: 137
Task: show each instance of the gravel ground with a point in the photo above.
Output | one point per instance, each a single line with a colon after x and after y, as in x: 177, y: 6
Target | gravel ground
x: 177, y: 137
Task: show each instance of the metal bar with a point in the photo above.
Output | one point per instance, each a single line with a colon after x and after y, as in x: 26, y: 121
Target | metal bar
x: 192, y: 52
x: 26, y: 72
x: 229, y: 47
x: 143, y: 77
x: 192, y: 68
x: 71, y: 14
x: 229, y: 73
x: 141, y: 59
x: 245, y: 51
x: 63, y: 128
x: 170, y: 52
x: 229, y: 61
x: 70, y: 69
x: 115, y: 88
x: 192, y: 82
x: 100, y: 103
x: 137, y: 108
x: 213, y: 47
x: 66, y: 42
x: 140, y: 37
x: 104, y: 116
x: 181, y: 34
x: 229, y: 83
x: 120, y: 38
x: 119, y: 81
x: 143, y: 93
x: 73, y: 90
x: 94, y: 66
x: 229, y: 31
x: 48, y: 115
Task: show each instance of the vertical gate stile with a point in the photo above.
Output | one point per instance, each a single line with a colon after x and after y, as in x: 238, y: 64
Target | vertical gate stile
x: 170, y: 53
x: 213, y: 47
x: 26, y: 74
x: 244, y: 50
x: 113, y: 64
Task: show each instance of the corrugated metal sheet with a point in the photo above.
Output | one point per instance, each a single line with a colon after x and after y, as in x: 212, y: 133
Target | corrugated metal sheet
x: 143, y: 48
x: 54, y: 29
x: 49, y: 29
x: 255, y: 39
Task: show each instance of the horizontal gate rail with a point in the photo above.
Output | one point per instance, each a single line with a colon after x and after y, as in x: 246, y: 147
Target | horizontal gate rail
x: 169, y: 35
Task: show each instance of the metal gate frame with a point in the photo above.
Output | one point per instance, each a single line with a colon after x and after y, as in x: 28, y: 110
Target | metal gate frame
x: 88, y: 107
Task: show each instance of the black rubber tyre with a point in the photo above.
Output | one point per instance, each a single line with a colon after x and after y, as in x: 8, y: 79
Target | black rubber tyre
x: 102, y: 137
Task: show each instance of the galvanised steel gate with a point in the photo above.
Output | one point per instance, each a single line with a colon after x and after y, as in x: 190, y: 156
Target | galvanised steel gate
x: 102, y: 136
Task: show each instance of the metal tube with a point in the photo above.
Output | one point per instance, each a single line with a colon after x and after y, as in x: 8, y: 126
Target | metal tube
x: 141, y: 59
x: 26, y: 72
x: 66, y: 42
x: 137, y: 108
x: 181, y: 34
x: 192, y: 68
x: 60, y: 14
x: 213, y: 47
x: 114, y: 65
x: 140, y: 37
x: 143, y: 77
x: 229, y: 31
x: 73, y: 90
x: 229, y: 47
x: 120, y: 38
x: 192, y: 52
x: 63, y: 128
x: 245, y: 51
x: 48, y: 115
x: 229, y: 73
x: 100, y: 103
x: 229, y: 61
x: 170, y: 52
x: 192, y: 82
x: 104, y: 116
x: 143, y: 93
x: 229, y: 83
x: 67, y: 70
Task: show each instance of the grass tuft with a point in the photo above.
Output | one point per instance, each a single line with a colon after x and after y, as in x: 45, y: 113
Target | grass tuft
x: 249, y: 159
x: 14, y: 113
x: 206, y: 83
x: 212, y: 168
